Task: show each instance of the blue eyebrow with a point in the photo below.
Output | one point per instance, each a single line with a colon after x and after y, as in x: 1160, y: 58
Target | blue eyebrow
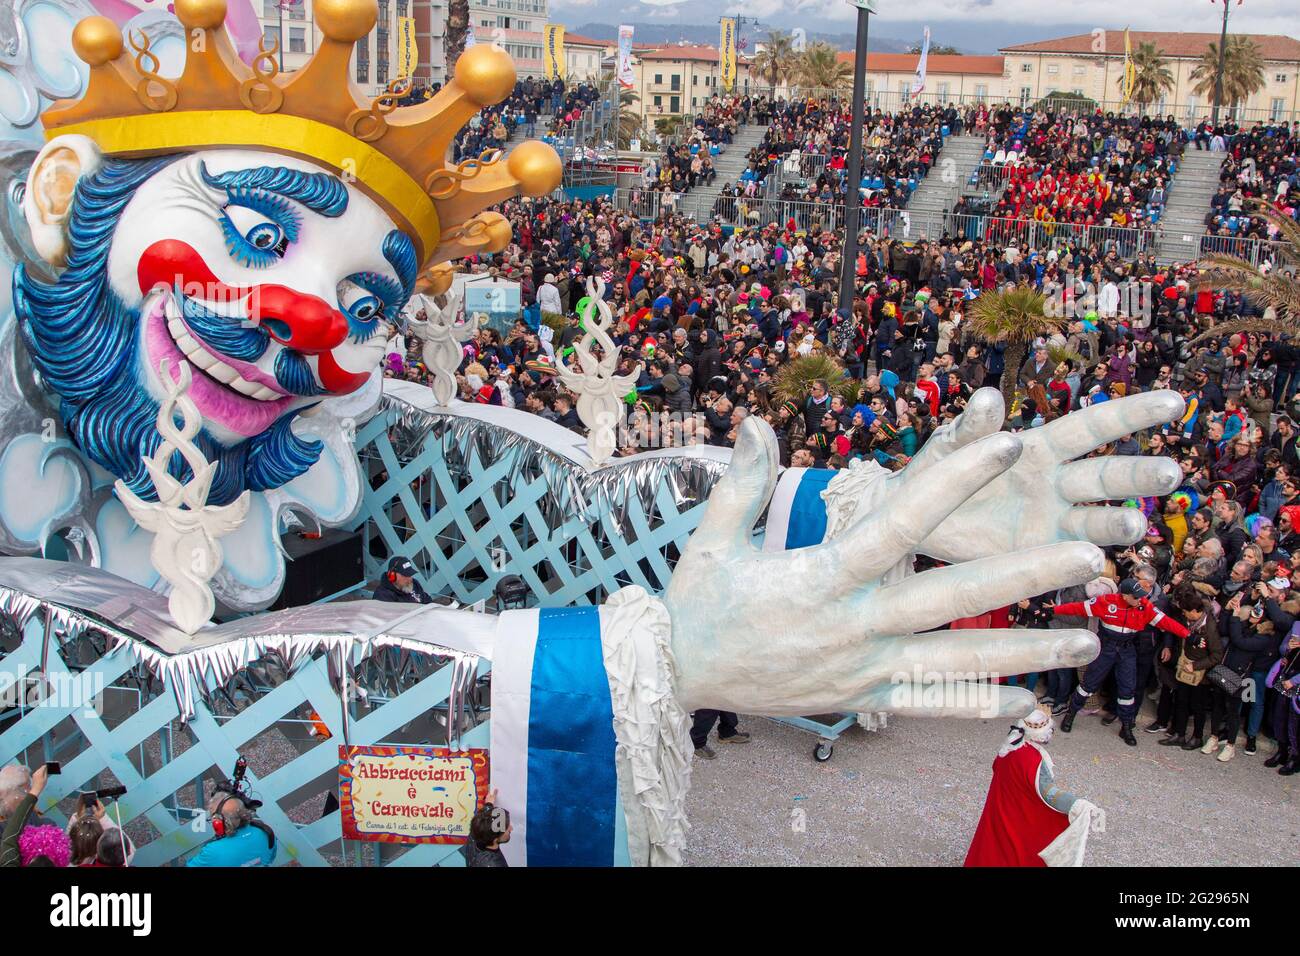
x: 399, y: 250
x: 322, y: 193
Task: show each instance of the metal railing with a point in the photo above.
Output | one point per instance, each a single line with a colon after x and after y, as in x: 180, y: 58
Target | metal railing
x: 1255, y: 251
x: 893, y: 100
x: 742, y: 212
x: 989, y: 177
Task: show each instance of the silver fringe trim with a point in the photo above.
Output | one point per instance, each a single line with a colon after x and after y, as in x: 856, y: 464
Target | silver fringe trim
x: 356, y: 631
x: 573, y: 491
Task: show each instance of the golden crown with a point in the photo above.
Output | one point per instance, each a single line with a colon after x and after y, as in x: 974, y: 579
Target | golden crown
x: 397, y: 154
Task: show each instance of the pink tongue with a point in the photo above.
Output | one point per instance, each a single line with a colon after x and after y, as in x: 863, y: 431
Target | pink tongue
x: 218, y: 405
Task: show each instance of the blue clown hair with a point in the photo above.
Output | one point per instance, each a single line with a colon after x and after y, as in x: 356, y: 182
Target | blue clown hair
x: 84, y: 340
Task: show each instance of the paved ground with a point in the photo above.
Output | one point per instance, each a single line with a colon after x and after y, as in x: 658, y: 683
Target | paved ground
x: 912, y: 794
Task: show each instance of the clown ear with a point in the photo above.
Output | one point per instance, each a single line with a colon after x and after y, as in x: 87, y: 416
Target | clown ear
x: 51, y: 187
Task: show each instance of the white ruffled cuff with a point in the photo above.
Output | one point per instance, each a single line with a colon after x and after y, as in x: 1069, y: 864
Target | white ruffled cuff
x: 653, y: 756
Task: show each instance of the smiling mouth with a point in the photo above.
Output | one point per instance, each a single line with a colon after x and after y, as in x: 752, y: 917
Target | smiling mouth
x: 202, y: 358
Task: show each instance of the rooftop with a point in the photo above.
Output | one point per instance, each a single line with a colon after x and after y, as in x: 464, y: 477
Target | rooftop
x: 937, y: 63
x: 1272, y: 46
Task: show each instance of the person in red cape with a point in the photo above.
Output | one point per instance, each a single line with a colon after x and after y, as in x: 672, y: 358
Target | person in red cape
x: 1025, y: 811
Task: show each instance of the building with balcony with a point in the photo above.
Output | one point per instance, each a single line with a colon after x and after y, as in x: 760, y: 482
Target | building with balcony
x: 517, y: 26
x: 677, y: 80
x: 1091, y: 64
x: 375, y: 59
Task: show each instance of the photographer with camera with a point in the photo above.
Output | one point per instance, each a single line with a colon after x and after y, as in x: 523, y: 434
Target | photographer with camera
x: 241, y: 839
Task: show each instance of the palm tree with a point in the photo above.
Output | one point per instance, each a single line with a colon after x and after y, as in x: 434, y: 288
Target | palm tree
x: 821, y: 68
x: 1243, y: 70
x: 774, y: 63
x: 457, y: 28
x: 1152, y: 79
x: 1016, y: 317
x: 1275, y: 290
x: 629, y: 120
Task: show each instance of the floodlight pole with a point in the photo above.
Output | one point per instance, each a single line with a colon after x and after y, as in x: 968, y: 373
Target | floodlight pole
x: 853, y: 173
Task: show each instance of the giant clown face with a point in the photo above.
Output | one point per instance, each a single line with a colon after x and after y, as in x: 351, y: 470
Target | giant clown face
x: 276, y: 280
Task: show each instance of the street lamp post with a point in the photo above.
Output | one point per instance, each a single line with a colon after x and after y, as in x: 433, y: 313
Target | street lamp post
x: 1223, y: 52
x: 853, y: 173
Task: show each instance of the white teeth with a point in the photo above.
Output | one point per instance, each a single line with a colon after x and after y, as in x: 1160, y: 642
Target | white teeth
x: 208, y: 362
x: 224, y: 373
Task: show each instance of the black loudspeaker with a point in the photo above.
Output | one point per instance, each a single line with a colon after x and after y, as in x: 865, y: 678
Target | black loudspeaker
x: 319, y: 567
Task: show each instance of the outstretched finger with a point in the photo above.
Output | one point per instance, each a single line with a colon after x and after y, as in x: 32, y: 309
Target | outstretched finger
x: 1118, y: 477
x: 1080, y: 432
x: 743, y: 491
x: 1105, y: 526
x: 963, y: 699
x: 981, y: 653
x: 983, y: 415
x: 917, y: 507
x: 933, y: 598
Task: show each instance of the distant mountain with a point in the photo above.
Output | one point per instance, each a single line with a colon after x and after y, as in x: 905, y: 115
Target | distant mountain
x: 708, y: 33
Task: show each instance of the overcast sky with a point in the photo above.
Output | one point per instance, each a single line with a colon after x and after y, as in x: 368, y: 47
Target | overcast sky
x: 949, y: 19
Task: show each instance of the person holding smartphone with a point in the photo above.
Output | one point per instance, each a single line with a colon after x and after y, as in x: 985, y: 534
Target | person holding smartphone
x: 16, y: 819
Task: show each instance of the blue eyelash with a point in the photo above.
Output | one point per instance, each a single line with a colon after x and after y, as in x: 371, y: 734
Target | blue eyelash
x: 388, y: 290
x: 275, y: 208
x: 270, y: 205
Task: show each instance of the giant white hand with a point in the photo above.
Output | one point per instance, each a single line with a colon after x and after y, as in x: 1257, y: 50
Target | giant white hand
x: 834, y: 627
x: 1036, y: 501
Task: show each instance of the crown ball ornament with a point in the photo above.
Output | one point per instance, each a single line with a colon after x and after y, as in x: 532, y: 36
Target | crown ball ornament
x: 203, y: 14
x: 346, y: 21
x: 395, y: 154
x: 96, y: 40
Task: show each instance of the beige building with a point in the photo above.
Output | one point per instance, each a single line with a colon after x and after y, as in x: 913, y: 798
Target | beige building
x: 678, y: 80
x: 375, y: 59
x: 947, y: 78
x: 1091, y: 65
x: 582, y: 56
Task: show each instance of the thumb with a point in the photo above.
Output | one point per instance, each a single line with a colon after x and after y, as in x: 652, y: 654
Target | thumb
x: 742, y: 493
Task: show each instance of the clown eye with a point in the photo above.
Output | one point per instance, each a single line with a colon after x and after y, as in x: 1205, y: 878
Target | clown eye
x: 363, y: 308
x: 252, y: 237
x: 266, y: 235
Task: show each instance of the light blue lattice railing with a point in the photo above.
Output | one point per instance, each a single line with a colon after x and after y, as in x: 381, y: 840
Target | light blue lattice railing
x: 140, y: 743
x: 466, y: 501
x: 469, y: 501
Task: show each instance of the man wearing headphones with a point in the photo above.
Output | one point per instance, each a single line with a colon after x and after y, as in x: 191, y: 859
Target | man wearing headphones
x: 399, y: 584
x: 241, y: 839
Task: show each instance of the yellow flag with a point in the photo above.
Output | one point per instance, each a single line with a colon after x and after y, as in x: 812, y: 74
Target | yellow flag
x: 1130, y: 71
x: 553, y: 56
x: 727, y: 53
x: 408, y: 56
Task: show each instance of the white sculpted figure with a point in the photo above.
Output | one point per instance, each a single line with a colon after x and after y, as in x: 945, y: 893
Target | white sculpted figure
x: 443, y: 336
x: 600, y: 391
x: 185, y: 527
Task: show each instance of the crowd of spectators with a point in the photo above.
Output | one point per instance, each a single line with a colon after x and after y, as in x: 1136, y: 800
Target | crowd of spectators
x: 898, y: 150
x: 1085, y: 170
x: 1261, y: 164
x: 688, y: 161
x: 717, y: 319
x: 532, y: 98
